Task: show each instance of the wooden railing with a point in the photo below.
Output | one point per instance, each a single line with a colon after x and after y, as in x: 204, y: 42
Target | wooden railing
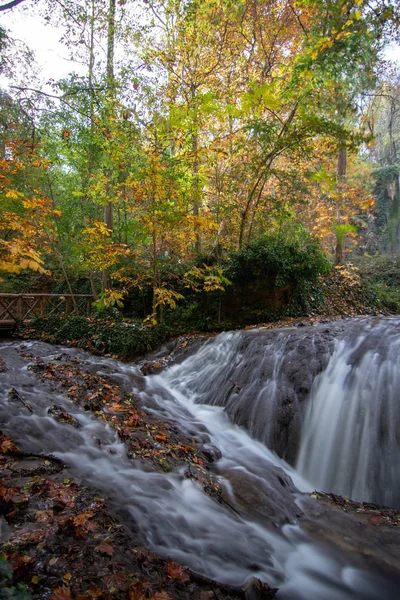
x: 19, y: 308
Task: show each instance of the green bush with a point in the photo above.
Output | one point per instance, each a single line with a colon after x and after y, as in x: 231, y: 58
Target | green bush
x: 75, y: 327
x: 294, y: 257
x: 126, y: 339
x: 8, y: 591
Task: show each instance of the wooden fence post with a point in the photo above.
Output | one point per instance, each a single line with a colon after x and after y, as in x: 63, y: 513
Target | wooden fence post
x: 18, y: 314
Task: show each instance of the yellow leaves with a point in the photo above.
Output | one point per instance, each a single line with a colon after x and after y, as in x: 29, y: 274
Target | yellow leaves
x: 13, y: 194
x: 110, y: 298
x: 206, y: 278
x: 32, y: 265
x: 349, y: 273
x: 99, y: 248
x: 166, y: 297
x: 9, y: 267
x: 99, y: 228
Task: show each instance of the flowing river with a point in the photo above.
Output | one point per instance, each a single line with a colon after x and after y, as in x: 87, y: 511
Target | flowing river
x: 325, y: 398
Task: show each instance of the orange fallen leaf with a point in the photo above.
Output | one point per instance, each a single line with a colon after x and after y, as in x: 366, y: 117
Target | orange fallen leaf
x: 82, y: 518
x: 136, y: 592
x: 44, y: 515
x: 115, y: 407
x: 7, y: 493
x: 174, y: 571
x: 6, y: 445
x: 106, y: 547
x: 376, y: 520
x: 61, y: 593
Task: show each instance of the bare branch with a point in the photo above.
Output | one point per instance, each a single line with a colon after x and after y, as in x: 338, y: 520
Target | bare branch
x: 10, y: 5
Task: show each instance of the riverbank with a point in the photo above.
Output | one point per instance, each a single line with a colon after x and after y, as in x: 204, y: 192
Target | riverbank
x: 59, y: 537
x: 143, y: 471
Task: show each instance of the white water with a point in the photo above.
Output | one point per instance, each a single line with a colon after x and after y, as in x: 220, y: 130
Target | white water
x: 351, y: 433
x: 175, y: 516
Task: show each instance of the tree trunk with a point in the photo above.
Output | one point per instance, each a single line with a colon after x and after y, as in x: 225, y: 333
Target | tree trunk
x: 196, y: 190
x: 93, y: 284
x: 341, y: 177
x: 108, y: 208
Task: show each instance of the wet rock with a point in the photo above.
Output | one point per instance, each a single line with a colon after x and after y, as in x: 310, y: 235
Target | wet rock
x: 257, y: 590
x: 154, y: 367
x: 210, y: 453
x: 270, y: 503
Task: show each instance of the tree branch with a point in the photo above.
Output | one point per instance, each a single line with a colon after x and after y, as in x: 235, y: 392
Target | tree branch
x: 10, y: 5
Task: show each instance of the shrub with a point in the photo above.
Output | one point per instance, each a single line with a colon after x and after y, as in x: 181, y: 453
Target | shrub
x: 126, y: 339
x: 283, y: 257
x: 7, y: 589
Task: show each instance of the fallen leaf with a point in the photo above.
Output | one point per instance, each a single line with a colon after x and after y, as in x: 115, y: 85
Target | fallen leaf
x: 6, y: 445
x: 106, y: 547
x: 174, y: 571
x: 29, y: 536
x: 67, y: 576
x: 16, y: 559
x: 136, y: 592
x: 7, y: 493
x: 115, y: 407
x: 61, y: 593
x: 82, y: 518
x: 376, y: 520
x: 161, y: 596
x: 43, y: 516
x: 35, y: 579
x: 115, y: 582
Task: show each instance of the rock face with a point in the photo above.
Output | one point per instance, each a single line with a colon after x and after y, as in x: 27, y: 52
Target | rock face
x: 262, y: 378
x: 243, y: 302
x: 272, y: 382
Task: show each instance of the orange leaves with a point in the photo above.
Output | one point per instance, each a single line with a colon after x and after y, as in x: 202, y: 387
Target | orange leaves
x: 106, y: 547
x: 115, y: 407
x: 29, y: 536
x: 62, y: 494
x: 174, y: 571
x: 82, y: 518
x: 61, y: 593
x: 133, y: 420
x: 6, y: 445
x: 82, y: 524
x: 7, y: 493
x: 18, y: 560
x: 25, y: 210
x: 115, y: 582
x: 44, y: 516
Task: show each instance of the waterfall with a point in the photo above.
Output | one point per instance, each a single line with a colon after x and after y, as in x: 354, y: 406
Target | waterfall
x: 328, y: 394
x: 350, y: 441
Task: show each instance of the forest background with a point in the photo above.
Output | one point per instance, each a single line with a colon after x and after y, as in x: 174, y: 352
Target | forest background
x: 213, y: 163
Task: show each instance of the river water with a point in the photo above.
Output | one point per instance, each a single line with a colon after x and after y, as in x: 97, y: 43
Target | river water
x: 354, y: 370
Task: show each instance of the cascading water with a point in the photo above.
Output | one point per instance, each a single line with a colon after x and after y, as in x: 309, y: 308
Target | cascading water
x: 174, y: 515
x: 351, y: 433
